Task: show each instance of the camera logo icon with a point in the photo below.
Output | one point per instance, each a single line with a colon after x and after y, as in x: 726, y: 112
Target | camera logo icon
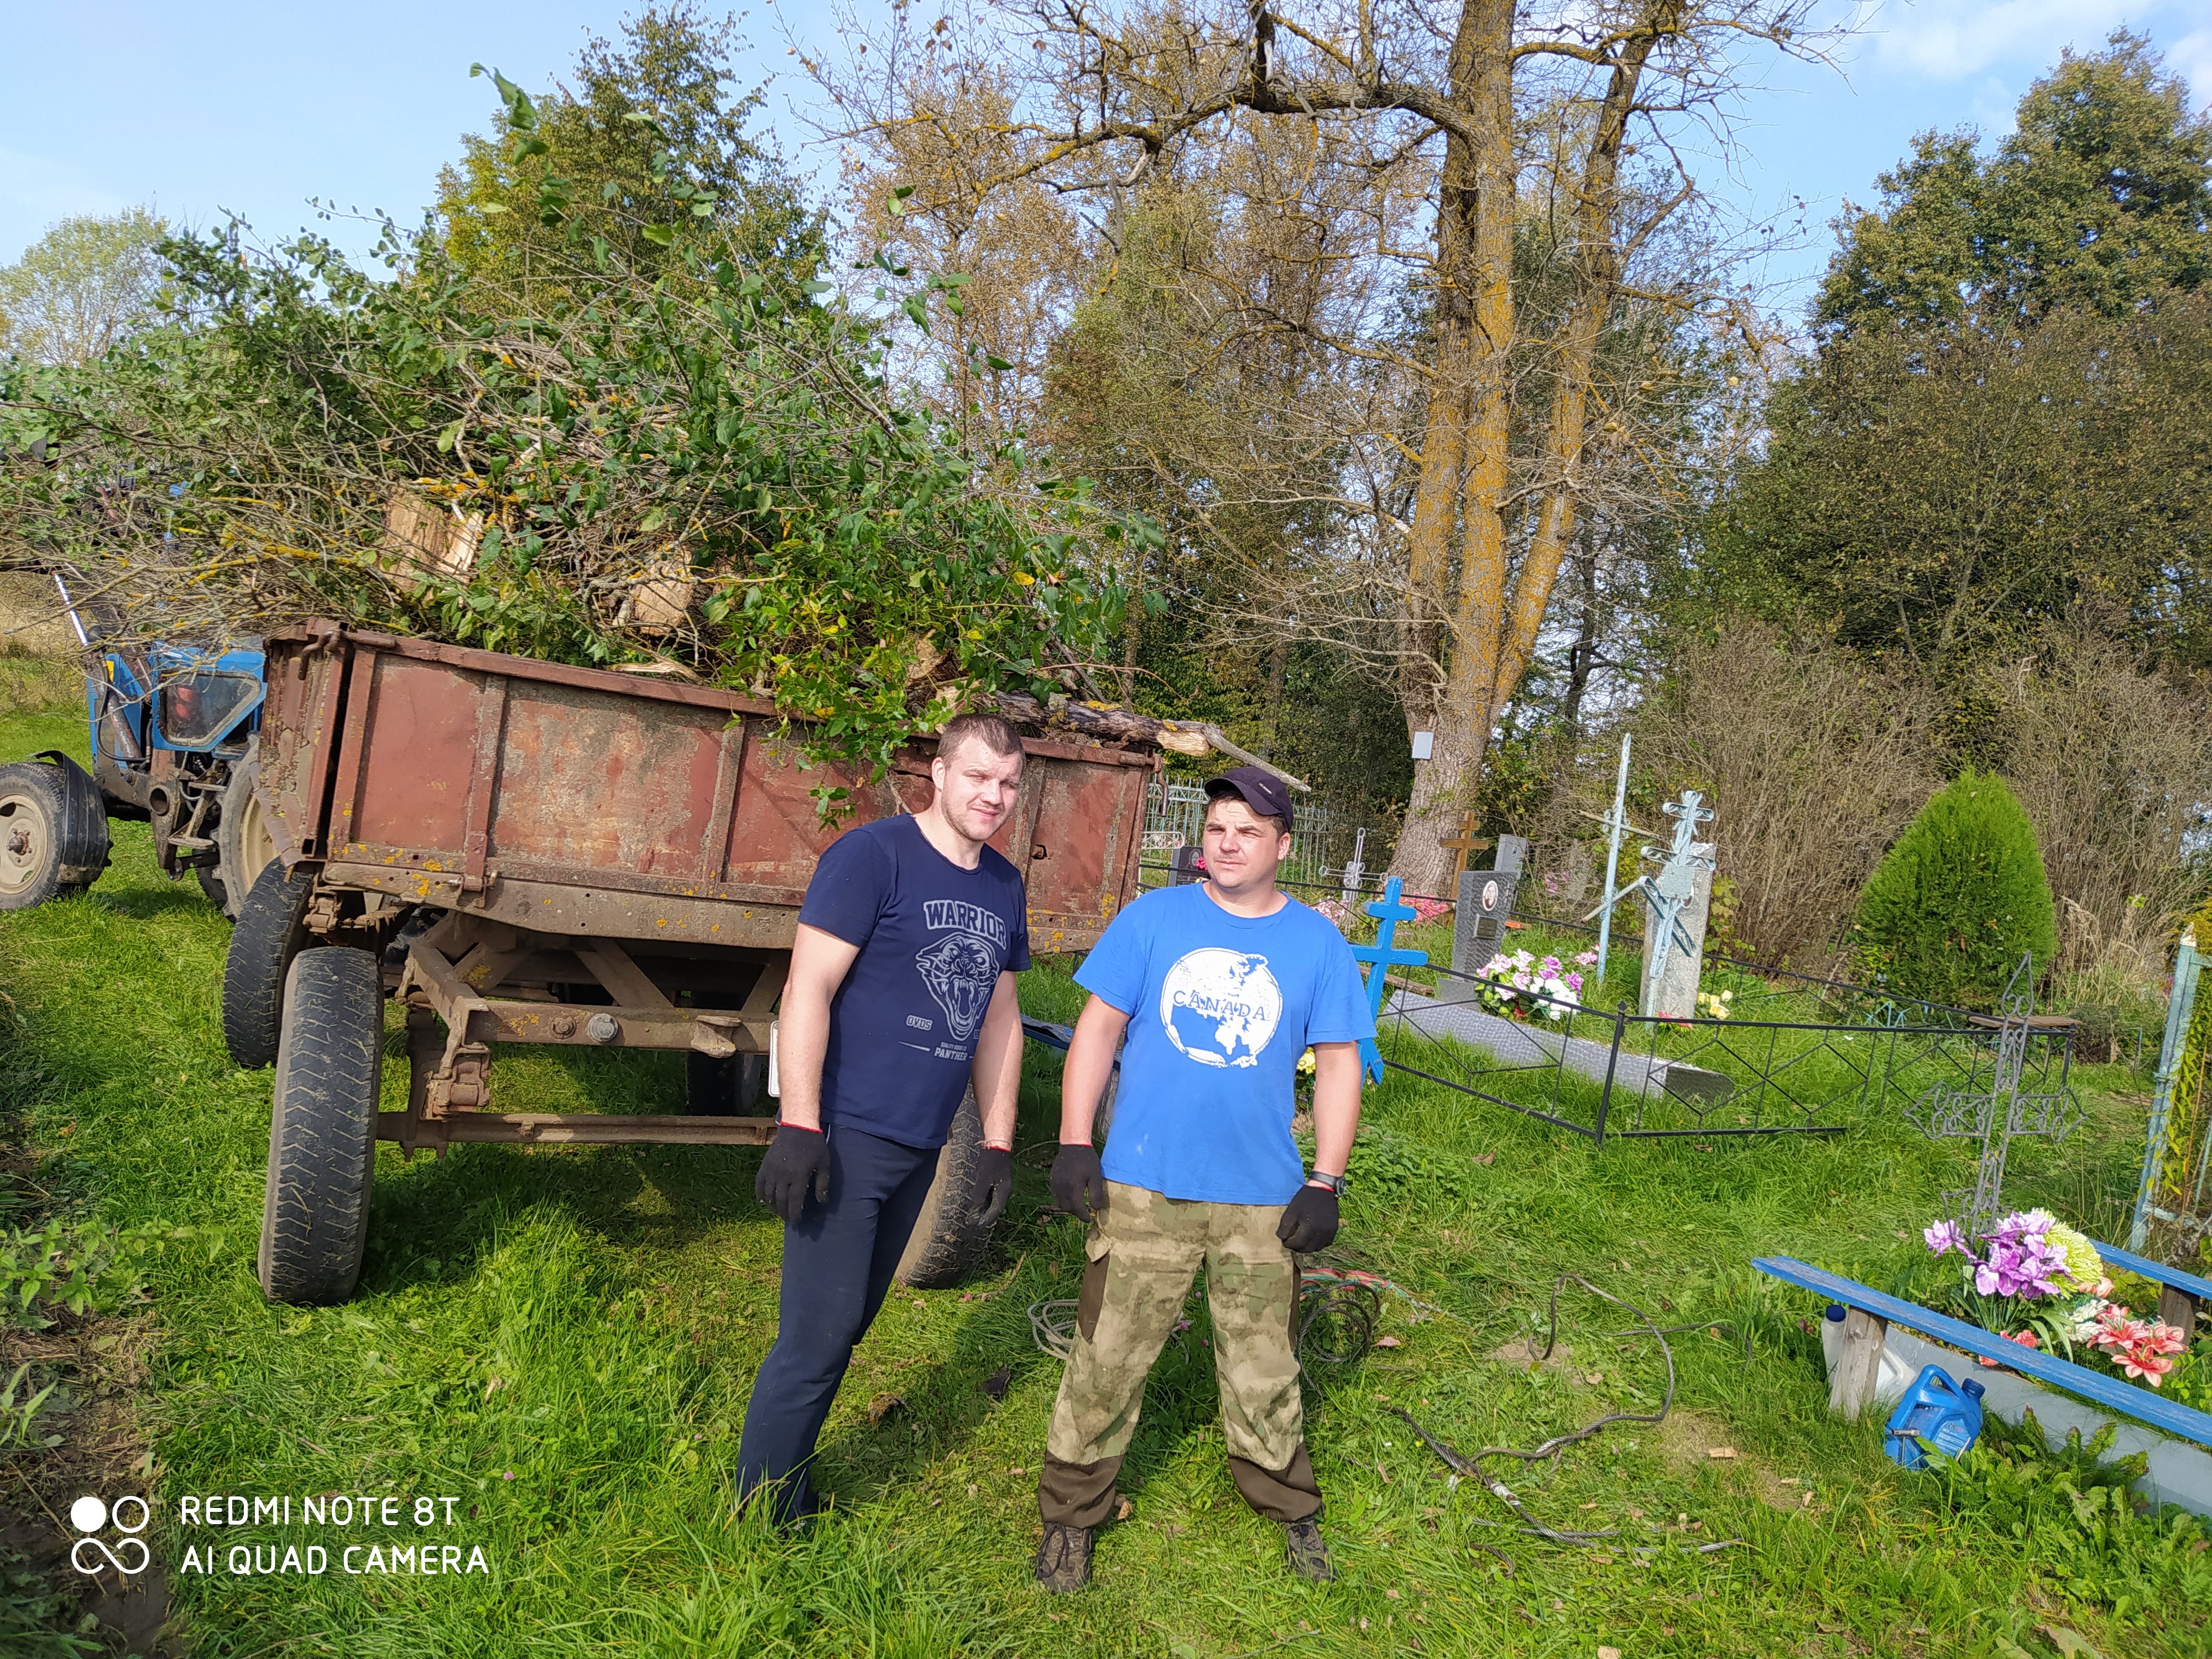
x: 91, y: 1515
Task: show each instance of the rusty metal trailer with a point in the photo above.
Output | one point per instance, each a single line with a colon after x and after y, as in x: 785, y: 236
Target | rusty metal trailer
x: 518, y: 851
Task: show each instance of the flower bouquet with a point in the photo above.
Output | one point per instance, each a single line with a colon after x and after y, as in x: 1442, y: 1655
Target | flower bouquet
x: 1519, y: 985
x: 2037, y: 1282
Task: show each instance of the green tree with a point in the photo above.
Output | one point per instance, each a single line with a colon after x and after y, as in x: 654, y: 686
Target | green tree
x: 2100, y: 198
x: 1953, y: 905
x: 1944, y: 496
x: 82, y: 287
x: 526, y: 214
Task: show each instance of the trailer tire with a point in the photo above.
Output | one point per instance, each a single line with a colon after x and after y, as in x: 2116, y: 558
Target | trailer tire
x: 947, y: 1240
x: 723, y: 1088
x: 322, y: 1128
x: 244, y: 846
x: 271, y: 930
x: 53, y: 832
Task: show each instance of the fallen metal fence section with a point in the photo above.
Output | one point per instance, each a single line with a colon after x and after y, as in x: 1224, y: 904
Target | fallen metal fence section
x: 1633, y: 1077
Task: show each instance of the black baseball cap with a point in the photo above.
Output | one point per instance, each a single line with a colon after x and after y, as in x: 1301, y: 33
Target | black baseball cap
x: 1266, y: 794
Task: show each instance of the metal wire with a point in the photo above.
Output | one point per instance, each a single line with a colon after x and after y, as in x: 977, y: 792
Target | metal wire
x: 1471, y: 1465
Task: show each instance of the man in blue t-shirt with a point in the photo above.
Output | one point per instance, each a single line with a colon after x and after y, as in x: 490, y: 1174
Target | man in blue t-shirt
x: 1219, y: 988
x: 901, y: 993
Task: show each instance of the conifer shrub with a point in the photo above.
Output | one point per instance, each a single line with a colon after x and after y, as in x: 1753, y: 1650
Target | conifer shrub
x: 1952, y: 906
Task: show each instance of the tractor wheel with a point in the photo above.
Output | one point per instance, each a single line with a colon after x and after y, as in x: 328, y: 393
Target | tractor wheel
x: 322, y: 1128
x: 211, y: 889
x: 723, y: 1088
x: 244, y: 846
x: 947, y: 1240
x: 52, y: 844
x: 272, y: 929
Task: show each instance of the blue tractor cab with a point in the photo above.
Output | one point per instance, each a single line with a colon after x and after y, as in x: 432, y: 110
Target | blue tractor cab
x: 174, y: 732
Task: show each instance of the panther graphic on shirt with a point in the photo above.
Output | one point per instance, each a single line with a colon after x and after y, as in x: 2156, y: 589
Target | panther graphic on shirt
x: 962, y: 970
x: 1220, y: 1007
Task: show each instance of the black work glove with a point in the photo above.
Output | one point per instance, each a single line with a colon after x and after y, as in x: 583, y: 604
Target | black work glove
x: 1078, y: 1184
x: 1310, y: 1221
x: 994, y: 1181
x: 795, y: 1159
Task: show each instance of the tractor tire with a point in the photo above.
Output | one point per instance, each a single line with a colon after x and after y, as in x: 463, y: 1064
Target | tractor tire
x: 271, y: 930
x: 322, y: 1128
x: 53, y: 834
x: 244, y: 846
x: 947, y: 1241
x: 211, y: 889
x: 723, y: 1088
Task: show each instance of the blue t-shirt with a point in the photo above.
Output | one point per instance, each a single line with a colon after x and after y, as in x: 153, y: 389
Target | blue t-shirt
x: 1220, y: 1008
x: 934, y: 939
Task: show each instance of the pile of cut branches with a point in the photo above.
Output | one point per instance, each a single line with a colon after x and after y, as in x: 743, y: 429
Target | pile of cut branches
x: 696, y: 470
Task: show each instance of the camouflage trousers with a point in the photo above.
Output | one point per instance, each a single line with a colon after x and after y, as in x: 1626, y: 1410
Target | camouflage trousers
x: 1144, y: 1252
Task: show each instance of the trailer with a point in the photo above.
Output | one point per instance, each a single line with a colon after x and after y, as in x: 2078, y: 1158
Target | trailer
x: 523, y: 852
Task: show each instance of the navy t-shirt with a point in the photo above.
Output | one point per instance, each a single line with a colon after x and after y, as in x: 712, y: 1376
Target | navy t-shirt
x: 933, y: 939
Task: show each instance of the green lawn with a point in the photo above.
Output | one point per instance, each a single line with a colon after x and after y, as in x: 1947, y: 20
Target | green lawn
x: 562, y: 1341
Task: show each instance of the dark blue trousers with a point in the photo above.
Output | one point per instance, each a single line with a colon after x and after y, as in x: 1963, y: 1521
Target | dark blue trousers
x: 837, y: 1267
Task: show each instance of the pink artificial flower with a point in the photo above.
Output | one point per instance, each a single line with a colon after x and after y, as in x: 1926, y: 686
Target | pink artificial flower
x: 1944, y: 1237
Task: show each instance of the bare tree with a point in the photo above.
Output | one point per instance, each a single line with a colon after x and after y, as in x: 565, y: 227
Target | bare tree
x: 1417, y: 121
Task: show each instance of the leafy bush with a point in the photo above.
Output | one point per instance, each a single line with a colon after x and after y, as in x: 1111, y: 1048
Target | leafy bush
x: 84, y: 1266
x: 2070, y: 1518
x: 1950, y: 908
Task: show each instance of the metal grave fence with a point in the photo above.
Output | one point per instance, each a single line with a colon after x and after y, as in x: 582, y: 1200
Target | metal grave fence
x: 1630, y: 1076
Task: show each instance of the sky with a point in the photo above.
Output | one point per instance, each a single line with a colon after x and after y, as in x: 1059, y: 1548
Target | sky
x: 257, y: 108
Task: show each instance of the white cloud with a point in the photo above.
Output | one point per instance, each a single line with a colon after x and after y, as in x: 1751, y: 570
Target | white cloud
x: 2190, y: 58
x: 1950, y: 40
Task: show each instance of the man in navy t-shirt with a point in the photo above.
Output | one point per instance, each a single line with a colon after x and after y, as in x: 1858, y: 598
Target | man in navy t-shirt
x: 1219, y: 988
x: 901, y: 993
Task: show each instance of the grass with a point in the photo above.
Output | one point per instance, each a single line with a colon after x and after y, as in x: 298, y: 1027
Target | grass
x: 562, y: 1341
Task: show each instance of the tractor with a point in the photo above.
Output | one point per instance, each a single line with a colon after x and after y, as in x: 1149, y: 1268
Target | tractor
x: 174, y: 743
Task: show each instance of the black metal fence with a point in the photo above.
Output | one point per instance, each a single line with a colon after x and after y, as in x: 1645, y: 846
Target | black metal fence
x: 1634, y: 1076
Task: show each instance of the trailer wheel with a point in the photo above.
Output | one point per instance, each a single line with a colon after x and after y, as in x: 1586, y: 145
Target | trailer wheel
x: 244, y: 846
x: 322, y: 1128
x: 271, y: 930
x: 947, y: 1241
x: 723, y: 1088
x: 53, y: 842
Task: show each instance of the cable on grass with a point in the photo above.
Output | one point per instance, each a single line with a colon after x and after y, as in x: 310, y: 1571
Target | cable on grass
x: 1052, y: 1326
x: 1471, y: 1467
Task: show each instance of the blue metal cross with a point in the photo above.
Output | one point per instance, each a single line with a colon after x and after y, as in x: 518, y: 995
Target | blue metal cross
x: 1390, y: 913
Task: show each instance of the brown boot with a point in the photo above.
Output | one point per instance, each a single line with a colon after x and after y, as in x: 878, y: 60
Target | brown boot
x: 1063, y: 1560
x: 1306, y: 1551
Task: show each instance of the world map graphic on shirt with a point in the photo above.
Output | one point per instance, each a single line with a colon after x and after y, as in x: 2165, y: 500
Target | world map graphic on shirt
x: 1220, y: 1007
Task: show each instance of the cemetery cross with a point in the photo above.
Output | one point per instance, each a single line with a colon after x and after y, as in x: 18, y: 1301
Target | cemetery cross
x: 1388, y: 913
x: 2000, y: 1114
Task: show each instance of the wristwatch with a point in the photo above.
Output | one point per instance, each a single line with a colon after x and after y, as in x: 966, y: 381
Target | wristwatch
x: 1334, y: 1184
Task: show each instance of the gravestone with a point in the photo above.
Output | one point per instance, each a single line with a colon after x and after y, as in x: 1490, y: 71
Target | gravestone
x: 1676, y: 901
x: 1183, y: 867
x: 1673, y: 992
x: 1574, y: 876
x: 1486, y: 904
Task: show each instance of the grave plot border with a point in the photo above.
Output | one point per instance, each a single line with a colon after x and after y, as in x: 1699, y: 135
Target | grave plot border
x: 1630, y: 1069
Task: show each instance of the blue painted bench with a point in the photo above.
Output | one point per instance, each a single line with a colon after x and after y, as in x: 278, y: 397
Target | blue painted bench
x: 1873, y: 1313
x: 2183, y: 1296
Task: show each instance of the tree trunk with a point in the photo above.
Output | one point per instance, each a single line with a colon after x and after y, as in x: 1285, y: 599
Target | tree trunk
x: 1464, y: 454
x: 1491, y: 626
